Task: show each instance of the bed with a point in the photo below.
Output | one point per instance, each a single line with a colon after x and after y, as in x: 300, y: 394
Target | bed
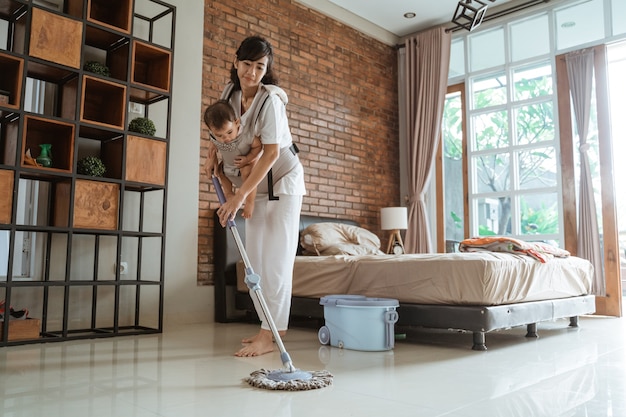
x: 474, y: 292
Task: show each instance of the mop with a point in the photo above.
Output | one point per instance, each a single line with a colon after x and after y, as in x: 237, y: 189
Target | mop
x: 288, y: 378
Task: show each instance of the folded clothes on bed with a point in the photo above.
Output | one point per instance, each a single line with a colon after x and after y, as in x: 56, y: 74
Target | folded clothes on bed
x: 543, y: 252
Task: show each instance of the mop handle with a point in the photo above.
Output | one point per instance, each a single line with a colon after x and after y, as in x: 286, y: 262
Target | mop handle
x: 220, y: 195
x: 232, y: 226
x: 253, y: 281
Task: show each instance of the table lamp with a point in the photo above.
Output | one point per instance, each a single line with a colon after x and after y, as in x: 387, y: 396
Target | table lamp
x: 394, y: 219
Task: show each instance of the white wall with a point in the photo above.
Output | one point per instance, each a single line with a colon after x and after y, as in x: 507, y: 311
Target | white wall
x: 185, y: 301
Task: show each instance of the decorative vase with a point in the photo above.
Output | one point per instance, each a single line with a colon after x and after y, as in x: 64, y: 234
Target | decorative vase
x: 45, y: 157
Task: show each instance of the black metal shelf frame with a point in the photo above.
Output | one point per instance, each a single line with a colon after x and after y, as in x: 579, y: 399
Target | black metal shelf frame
x: 147, y: 246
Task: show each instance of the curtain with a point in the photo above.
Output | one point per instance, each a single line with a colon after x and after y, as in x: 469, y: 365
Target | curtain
x: 580, y: 75
x: 426, y: 69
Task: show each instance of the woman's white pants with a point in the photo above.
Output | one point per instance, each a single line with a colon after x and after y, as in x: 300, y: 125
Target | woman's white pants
x: 272, y: 236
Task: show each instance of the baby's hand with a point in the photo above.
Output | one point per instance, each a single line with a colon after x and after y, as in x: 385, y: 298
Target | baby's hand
x: 240, y: 161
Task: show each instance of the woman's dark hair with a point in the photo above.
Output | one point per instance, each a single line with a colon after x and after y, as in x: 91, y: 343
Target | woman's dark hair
x: 251, y: 49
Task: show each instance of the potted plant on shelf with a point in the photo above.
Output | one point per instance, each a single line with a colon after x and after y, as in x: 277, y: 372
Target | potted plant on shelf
x: 91, y: 165
x: 142, y: 125
x: 97, y: 68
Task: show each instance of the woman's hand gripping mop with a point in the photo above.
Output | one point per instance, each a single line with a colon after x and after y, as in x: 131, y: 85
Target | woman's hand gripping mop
x: 289, y: 378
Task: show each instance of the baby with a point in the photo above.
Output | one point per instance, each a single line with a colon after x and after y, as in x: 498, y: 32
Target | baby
x: 237, y: 158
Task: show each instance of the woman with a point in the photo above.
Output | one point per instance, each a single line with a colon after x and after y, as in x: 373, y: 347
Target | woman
x: 272, y: 231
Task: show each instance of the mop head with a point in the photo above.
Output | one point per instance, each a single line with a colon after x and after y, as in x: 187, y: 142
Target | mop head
x: 289, y: 381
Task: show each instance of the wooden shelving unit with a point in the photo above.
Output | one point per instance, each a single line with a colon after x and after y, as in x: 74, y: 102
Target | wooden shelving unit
x: 95, y: 204
x: 55, y: 38
x: 11, y: 80
x: 69, y: 233
x: 6, y: 195
x: 60, y: 135
x: 115, y: 14
x: 144, y: 160
x: 103, y: 102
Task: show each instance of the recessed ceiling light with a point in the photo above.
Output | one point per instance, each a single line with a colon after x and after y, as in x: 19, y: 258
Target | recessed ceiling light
x: 409, y: 15
x: 567, y: 25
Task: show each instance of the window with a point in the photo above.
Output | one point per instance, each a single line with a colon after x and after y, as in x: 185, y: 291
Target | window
x: 454, y: 165
x: 530, y: 38
x: 513, y: 147
x: 579, y: 24
x: 618, y: 11
x: 487, y: 49
x: 457, y: 58
x: 512, y: 153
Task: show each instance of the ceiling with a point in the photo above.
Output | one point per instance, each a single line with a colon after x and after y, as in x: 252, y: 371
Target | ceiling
x: 389, y: 14
x: 384, y: 19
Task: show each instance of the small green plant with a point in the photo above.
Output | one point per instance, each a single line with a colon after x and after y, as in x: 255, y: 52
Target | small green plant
x: 142, y: 125
x: 91, y: 165
x: 97, y: 68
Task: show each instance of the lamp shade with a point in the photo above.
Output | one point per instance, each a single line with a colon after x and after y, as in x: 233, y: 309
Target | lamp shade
x: 393, y: 218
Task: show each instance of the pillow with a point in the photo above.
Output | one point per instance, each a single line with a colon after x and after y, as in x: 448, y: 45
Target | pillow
x: 339, y: 238
x: 350, y: 249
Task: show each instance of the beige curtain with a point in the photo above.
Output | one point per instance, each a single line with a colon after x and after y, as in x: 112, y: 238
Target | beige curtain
x: 427, y: 61
x: 580, y: 75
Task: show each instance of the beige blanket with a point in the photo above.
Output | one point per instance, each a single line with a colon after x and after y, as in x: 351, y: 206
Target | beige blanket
x: 479, y: 278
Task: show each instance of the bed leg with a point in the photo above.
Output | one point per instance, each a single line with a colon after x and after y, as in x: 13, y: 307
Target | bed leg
x: 531, y: 330
x: 479, y: 341
x: 573, y: 321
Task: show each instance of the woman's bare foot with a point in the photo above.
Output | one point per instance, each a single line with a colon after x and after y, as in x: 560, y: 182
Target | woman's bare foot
x: 261, y: 344
x: 249, y: 339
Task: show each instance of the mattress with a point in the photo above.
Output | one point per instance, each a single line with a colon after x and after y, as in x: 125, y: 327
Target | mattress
x: 480, y: 278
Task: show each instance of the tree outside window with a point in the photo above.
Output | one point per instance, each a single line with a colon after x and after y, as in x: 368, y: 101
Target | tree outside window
x: 512, y: 154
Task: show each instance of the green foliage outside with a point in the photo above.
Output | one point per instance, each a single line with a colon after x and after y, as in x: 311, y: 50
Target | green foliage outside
x: 536, y: 165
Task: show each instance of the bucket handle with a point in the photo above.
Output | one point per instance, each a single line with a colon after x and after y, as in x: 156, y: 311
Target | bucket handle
x: 391, y: 317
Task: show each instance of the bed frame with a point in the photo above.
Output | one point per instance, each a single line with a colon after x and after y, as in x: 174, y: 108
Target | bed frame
x: 232, y: 305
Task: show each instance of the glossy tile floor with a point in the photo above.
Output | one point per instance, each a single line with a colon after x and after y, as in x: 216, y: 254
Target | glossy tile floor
x: 190, y: 371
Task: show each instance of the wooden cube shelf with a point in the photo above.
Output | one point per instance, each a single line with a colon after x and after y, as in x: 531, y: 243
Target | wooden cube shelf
x: 9, y: 140
x: 111, y: 153
x: 55, y: 38
x: 108, y: 148
x: 21, y: 329
x: 12, y: 13
x: 96, y: 205
x: 151, y: 66
x: 49, y: 73
x: 65, y: 81
x: 6, y: 195
x: 109, y: 49
x: 12, y: 69
x: 103, y: 102
x: 145, y: 160
x: 114, y: 14
x: 8, y: 8
x: 38, y: 131
x: 68, y: 93
x: 84, y: 222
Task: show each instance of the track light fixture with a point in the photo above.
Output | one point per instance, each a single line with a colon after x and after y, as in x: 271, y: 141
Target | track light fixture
x: 469, y: 14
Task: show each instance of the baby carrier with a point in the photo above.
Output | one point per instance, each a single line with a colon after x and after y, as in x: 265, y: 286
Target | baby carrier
x: 288, y: 158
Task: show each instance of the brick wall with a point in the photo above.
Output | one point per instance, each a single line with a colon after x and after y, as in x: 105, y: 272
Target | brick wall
x: 343, y: 107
